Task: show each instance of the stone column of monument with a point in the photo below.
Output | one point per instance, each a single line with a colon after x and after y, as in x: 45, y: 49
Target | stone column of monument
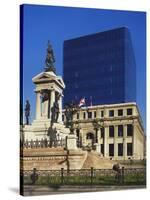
x: 45, y: 109
x: 38, y: 105
x: 52, y: 100
x: 115, y: 142
x: 60, y: 108
x: 124, y: 141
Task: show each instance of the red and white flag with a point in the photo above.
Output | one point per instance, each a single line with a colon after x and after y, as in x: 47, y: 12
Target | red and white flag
x: 82, y: 102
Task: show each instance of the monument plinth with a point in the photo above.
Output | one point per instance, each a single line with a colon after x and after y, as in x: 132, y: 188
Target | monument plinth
x: 71, y: 142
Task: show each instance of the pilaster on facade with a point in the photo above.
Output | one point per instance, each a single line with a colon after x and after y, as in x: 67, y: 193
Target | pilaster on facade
x: 125, y: 141
x: 134, y: 140
x: 115, y: 141
x: 98, y: 135
x: 106, y: 133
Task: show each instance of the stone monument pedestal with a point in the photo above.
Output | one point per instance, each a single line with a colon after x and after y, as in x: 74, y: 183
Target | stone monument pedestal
x: 71, y: 142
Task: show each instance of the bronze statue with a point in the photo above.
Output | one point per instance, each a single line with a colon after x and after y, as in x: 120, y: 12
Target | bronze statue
x: 52, y: 135
x: 27, y: 111
x: 44, y: 95
x: 70, y: 110
x: 49, y: 61
x: 55, y: 111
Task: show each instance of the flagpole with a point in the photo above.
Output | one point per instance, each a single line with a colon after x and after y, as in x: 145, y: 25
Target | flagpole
x: 91, y: 101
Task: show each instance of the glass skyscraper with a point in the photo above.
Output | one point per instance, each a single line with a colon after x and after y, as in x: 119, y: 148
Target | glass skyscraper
x: 100, y: 67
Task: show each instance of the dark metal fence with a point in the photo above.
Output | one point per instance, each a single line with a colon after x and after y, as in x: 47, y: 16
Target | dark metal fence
x: 44, y: 143
x: 85, y: 177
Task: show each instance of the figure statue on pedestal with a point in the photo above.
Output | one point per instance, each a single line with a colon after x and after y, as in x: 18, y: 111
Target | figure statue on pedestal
x: 49, y: 61
x: 55, y: 111
x: 27, y: 111
x: 44, y: 95
x: 70, y: 110
x: 52, y: 133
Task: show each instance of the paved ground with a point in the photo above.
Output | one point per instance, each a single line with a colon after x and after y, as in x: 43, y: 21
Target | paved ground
x: 44, y: 190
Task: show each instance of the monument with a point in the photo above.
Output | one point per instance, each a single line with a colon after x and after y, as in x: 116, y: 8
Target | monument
x: 49, y: 92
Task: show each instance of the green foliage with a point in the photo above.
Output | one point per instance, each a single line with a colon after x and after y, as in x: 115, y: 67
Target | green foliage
x: 129, y: 179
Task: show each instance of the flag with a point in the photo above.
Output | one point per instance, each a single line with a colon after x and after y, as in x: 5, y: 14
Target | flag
x: 82, y: 102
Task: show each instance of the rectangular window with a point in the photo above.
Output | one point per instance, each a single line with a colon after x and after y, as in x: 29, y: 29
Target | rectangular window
x: 102, y: 132
x: 129, y: 149
x: 129, y: 130
x: 111, y: 149
x: 120, y: 149
x: 120, y: 130
x: 111, y: 113
x: 94, y: 114
x: 102, y: 113
x: 77, y: 115
x: 102, y: 149
x: 120, y: 112
x: 111, y: 131
x: 89, y: 115
x: 129, y: 111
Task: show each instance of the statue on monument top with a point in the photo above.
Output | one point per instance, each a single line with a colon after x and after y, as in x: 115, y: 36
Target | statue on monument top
x: 49, y: 61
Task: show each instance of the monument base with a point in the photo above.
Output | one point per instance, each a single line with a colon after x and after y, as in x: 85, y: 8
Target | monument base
x: 39, y: 130
x: 71, y: 142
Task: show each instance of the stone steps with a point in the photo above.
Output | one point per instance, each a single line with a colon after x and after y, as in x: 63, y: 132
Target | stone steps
x: 96, y: 161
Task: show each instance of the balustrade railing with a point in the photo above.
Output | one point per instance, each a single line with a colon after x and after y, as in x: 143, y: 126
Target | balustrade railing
x: 44, y: 143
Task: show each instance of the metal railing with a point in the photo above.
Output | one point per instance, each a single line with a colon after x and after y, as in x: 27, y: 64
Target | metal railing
x: 44, y: 143
x: 91, y: 176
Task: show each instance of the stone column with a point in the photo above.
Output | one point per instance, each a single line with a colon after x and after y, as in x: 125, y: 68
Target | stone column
x: 115, y: 142
x: 60, y: 109
x: 106, y: 132
x: 45, y: 109
x: 98, y: 135
x: 38, y: 105
x: 124, y: 141
x: 52, y: 100
x: 97, y: 141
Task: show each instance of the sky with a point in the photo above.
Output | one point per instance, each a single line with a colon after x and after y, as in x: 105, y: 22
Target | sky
x: 43, y: 23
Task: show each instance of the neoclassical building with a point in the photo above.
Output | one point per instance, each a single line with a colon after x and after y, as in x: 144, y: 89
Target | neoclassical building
x: 115, y: 130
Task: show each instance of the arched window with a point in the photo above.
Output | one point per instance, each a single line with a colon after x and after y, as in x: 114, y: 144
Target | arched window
x: 90, y: 136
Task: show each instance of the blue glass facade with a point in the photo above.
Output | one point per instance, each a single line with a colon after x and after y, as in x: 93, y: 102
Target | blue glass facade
x: 100, y: 67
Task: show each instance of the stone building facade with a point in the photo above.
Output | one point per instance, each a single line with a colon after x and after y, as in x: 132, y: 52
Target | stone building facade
x: 115, y: 131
